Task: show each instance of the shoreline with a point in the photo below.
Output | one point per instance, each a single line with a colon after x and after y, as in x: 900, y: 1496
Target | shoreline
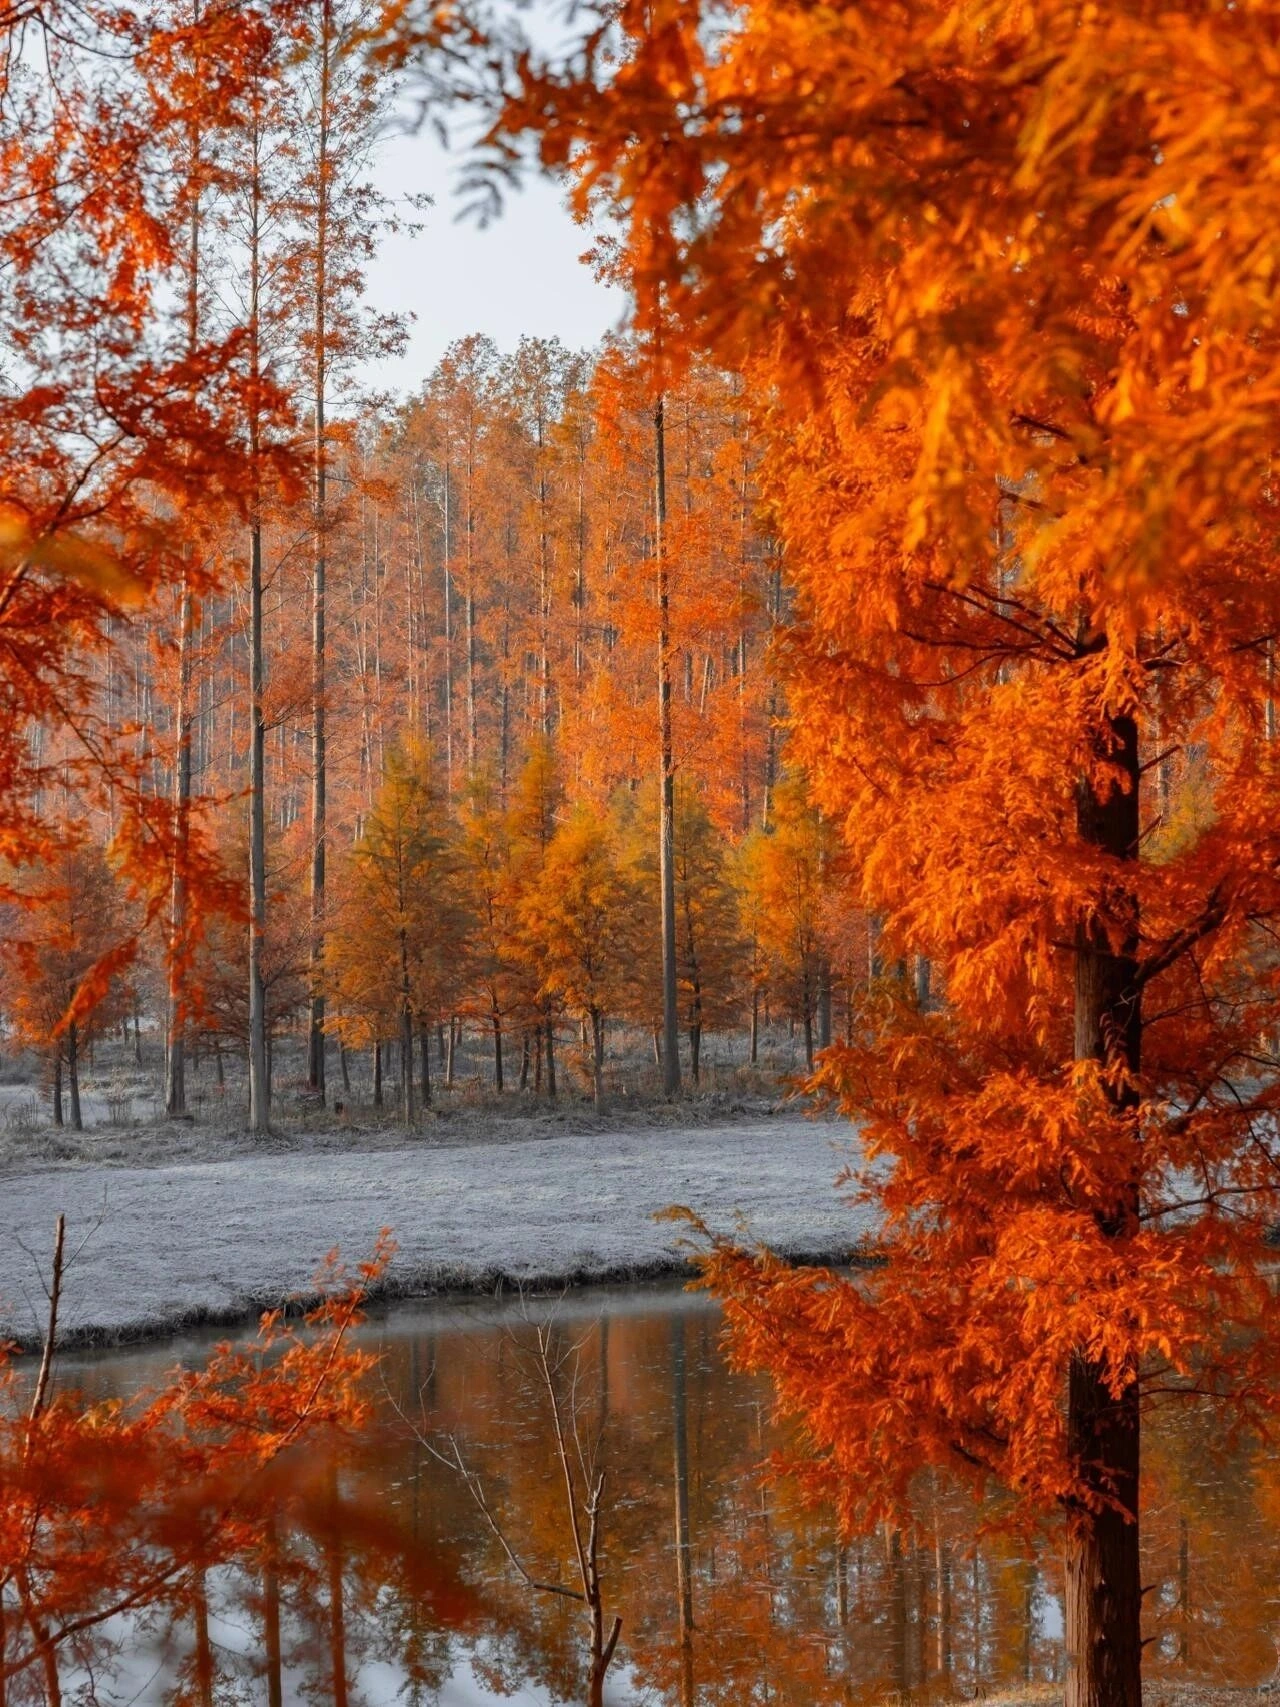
x: 166, y: 1248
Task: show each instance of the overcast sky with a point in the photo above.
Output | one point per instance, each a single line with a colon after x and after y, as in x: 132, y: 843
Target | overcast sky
x: 520, y: 275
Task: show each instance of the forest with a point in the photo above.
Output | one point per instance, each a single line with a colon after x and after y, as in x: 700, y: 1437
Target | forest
x: 871, y: 644
x: 489, y: 730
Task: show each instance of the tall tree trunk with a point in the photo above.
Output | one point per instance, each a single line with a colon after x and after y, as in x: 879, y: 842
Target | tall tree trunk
x: 497, y: 1052
x: 175, y: 1081
x: 259, y: 1078
x: 315, y: 1065
x: 57, y: 1083
x: 1103, y: 1584
x: 666, y: 769
x: 377, y: 1075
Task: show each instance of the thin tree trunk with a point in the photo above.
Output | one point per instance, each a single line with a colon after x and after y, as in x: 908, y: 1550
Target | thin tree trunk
x: 497, y: 1052
x: 57, y: 1084
x: 259, y: 1082
x: 451, y: 1058
x: 597, y: 1060
x: 73, y: 1077
x: 175, y: 1089
x: 551, y: 1058
x: 377, y: 1075
x: 406, y: 1064
x: 316, y: 1062
x: 666, y: 772
x: 424, y: 1053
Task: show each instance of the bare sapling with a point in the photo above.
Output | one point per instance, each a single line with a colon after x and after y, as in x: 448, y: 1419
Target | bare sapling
x: 584, y: 1486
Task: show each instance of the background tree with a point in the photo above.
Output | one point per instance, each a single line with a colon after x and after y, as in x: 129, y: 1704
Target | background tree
x: 401, y: 952
x: 580, y: 923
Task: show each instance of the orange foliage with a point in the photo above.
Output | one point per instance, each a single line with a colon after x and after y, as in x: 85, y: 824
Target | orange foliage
x: 112, y: 1508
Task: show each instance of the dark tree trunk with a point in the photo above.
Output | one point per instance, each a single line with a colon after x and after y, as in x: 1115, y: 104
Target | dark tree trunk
x: 377, y: 1075
x: 346, y: 1068
x: 497, y: 1052
x: 451, y: 1058
x: 73, y: 1077
x: 755, y: 1027
x: 551, y: 1059
x: 1103, y: 1583
x: 524, y: 1061
x: 695, y: 1053
x: 406, y: 1064
x: 57, y: 1085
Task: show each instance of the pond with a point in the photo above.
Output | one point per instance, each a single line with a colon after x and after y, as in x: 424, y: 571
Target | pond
x: 729, y: 1590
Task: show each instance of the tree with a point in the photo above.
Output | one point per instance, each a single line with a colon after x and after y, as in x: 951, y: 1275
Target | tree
x: 786, y: 871
x: 711, y: 967
x: 400, y: 956
x: 67, y: 941
x: 997, y: 269
x: 579, y: 921
x: 337, y: 102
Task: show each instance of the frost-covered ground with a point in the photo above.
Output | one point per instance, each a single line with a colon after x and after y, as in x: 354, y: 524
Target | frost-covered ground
x: 186, y: 1240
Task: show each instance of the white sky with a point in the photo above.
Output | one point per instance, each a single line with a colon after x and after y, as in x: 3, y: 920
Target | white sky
x: 521, y: 275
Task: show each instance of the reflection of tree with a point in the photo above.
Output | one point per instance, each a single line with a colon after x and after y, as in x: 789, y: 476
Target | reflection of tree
x: 707, y: 1562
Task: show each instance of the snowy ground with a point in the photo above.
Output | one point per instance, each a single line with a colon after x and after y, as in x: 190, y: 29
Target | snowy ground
x: 182, y: 1241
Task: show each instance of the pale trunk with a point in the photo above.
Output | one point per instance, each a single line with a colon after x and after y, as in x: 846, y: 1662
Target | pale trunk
x: 259, y: 1083
x: 666, y: 798
x: 318, y: 734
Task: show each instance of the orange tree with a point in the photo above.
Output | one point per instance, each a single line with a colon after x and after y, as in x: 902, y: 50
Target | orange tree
x: 1006, y: 275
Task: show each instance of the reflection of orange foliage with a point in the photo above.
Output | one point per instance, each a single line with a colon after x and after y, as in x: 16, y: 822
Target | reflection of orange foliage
x: 111, y: 1508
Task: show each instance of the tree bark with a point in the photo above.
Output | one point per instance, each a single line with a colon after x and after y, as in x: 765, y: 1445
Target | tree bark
x: 497, y: 1052
x: 1103, y: 1586
x: 666, y: 773
x: 259, y: 1081
x: 316, y: 1061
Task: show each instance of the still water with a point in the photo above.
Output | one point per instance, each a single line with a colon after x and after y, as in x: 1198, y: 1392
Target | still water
x: 729, y: 1590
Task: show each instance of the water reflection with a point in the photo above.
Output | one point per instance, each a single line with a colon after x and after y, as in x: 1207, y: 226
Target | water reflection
x: 729, y: 1590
